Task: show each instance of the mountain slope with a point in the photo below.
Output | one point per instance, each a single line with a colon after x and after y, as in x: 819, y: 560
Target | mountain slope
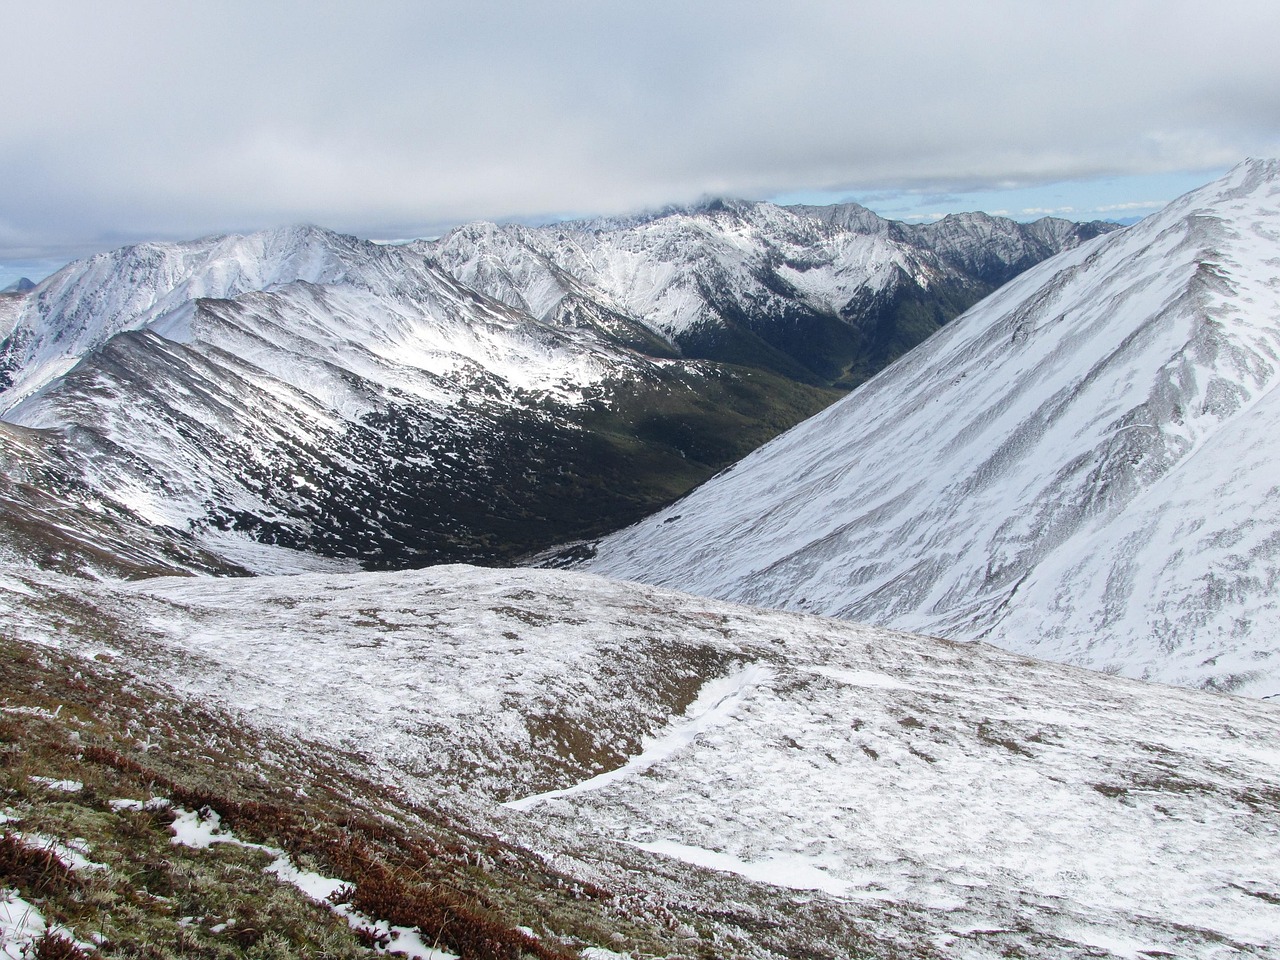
x: 784, y: 785
x: 820, y: 294
x: 308, y: 391
x: 1081, y: 467
x: 51, y: 518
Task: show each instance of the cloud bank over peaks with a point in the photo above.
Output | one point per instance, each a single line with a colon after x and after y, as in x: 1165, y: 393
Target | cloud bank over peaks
x: 151, y: 119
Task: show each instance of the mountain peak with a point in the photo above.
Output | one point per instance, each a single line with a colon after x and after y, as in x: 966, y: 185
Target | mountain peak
x: 21, y: 285
x: 846, y: 216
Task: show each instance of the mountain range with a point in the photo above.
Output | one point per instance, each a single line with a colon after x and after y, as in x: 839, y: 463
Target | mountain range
x: 826, y: 295
x: 293, y: 397
x: 1082, y: 467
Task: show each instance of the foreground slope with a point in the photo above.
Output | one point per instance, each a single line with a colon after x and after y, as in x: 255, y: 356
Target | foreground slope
x: 1083, y: 466
x: 903, y: 795
x: 136, y: 823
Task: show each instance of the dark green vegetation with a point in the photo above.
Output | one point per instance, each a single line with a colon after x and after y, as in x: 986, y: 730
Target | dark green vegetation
x: 529, y: 478
x: 406, y: 488
x: 890, y: 324
x: 827, y: 349
x: 406, y: 485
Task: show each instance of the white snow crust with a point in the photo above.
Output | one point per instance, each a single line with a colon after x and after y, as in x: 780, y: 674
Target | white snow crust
x: 21, y: 923
x: 996, y: 801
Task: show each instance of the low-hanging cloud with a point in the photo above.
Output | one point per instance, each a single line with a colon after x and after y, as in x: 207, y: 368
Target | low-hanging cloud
x: 164, y: 119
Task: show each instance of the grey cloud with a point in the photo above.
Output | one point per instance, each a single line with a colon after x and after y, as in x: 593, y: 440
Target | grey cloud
x: 170, y: 120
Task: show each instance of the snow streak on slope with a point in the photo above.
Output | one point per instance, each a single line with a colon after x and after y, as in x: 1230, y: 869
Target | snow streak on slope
x: 1082, y: 466
x: 989, y: 803
x: 716, y: 701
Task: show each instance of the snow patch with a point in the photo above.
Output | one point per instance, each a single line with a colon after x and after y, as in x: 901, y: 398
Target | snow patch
x: 21, y: 924
x: 795, y: 872
x: 859, y: 678
x: 201, y: 829
x: 63, y: 786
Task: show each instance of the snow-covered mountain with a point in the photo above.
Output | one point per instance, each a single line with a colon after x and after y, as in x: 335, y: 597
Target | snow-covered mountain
x: 1082, y: 467
x: 479, y: 397
x: 308, y: 390
x: 769, y: 784
x: 826, y: 294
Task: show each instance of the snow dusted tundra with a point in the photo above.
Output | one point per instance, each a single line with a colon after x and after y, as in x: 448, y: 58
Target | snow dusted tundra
x: 941, y: 796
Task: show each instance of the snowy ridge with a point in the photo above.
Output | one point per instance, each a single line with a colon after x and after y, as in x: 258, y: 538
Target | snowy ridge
x: 388, y: 296
x: 301, y: 389
x: 1081, y: 467
x: 690, y: 274
x: 134, y: 287
x: 953, y: 795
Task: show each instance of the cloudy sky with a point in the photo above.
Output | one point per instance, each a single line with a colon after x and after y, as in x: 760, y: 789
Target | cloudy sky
x: 130, y: 120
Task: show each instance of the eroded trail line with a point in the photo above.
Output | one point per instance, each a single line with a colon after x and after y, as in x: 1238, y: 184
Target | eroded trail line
x: 714, y: 705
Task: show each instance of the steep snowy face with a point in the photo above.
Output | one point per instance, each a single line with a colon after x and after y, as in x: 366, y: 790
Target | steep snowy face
x: 1083, y: 466
x: 802, y: 290
x: 86, y: 303
x: 526, y: 269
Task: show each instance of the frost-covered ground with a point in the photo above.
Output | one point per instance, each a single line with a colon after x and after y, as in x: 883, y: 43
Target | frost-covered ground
x: 204, y: 829
x: 1082, y: 467
x: 968, y: 798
